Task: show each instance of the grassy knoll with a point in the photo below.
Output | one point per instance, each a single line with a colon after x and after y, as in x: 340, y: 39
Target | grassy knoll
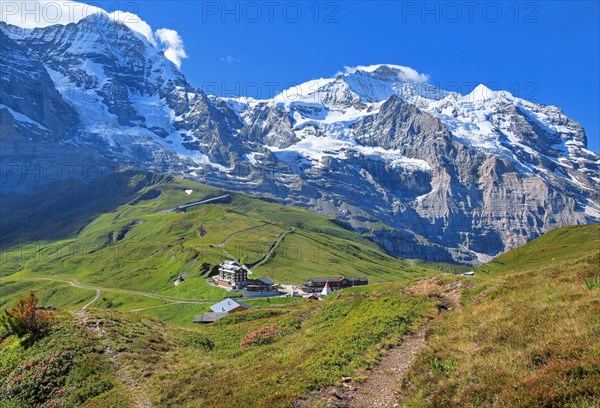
x: 562, y: 244
x: 528, y: 333
x: 56, y: 210
x: 139, y: 246
x: 304, y: 254
x: 136, y: 359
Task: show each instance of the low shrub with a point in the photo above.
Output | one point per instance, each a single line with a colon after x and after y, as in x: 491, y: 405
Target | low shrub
x: 39, y: 382
x: 26, y: 318
x: 247, y: 316
x: 592, y: 282
x: 266, y: 335
x: 197, y: 341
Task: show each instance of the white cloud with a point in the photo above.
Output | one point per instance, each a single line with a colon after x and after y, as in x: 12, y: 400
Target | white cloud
x: 44, y: 13
x: 174, y: 50
x: 230, y: 59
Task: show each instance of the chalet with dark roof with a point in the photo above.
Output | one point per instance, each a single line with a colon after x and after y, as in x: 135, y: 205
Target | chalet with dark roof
x: 261, y: 287
x: 315, y: 285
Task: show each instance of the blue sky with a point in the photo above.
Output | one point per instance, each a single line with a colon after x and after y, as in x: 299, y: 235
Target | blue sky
x: 547, y: 52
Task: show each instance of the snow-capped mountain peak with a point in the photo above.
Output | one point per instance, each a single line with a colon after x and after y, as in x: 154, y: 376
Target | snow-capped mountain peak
x: 476, y: 118
x: 390, y: 72
x: 34, y: 16
x: 372, y: 143
x: 481, y: 93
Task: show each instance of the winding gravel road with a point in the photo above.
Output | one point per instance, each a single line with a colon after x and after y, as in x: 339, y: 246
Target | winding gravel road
x: 93, y: 300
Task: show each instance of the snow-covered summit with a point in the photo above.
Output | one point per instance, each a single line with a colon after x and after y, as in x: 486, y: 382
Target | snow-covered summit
x: 483, y: 118
x: 362, y: 84
x: 369, y: 144
x: 39, y: 14
x: 397, y: 72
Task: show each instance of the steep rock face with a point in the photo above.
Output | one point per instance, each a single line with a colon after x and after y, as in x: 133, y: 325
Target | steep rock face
x: 103, y: 57
x: 269, y: 125
x: 29, y: 102
x: 475, y: 199
x: 35, y: 122
x: 401, y: 126
x: 454, y: 177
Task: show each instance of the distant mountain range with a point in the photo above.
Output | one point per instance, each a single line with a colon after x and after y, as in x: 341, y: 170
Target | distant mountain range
x: 424, y: 172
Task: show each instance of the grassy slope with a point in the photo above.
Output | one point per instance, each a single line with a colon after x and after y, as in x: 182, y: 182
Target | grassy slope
x: 70, y: 367
x: 556, y: 246
x: 59, y: 209
x: 528, y: 333
x: 324, y: 341
x: 526, y: 337
x: 135, y: 247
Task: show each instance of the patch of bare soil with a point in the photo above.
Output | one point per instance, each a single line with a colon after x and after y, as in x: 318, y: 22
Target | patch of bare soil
x: 380, y: 389
x: 94, y: 326
x: 448, y: 295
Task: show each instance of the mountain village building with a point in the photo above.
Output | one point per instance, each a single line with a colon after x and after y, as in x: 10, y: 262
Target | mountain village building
x: 220, y: 310
x: 316, y: 285
x: 261, y: 287
x: 229, y: 306
x: 232, y: 275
